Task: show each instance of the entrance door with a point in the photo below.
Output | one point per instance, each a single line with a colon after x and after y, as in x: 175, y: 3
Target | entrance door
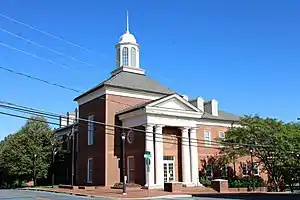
x: 169, y: 175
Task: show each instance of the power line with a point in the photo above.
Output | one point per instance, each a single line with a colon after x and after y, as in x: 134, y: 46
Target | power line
x: 193, y: 143
x: 38, y: 79
x: 45, y: 47
x: 128, y: 128
x: 55, y: 84
x: 35, y: 56
x: 47, y: 33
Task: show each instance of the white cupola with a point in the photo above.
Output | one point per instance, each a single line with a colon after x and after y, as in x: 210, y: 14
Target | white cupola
x: 128, y: 53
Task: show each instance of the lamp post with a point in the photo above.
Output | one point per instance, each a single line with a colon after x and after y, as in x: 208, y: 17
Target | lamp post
x: 251, y: 157
x: 54, y: 151
x: 34, y: 173
x: 123, y: 136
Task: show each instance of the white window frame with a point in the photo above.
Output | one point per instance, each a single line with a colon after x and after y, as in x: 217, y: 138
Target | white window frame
x: 133, y: 56
x: 222, y: 138
x: 211, y: 175
x: 207, y: 142
x: 247, y: 170
x: 128, y: 169
x: 257, y: 169
x: 91, y: 130
x: 125, y: 56
x: 89, y: 171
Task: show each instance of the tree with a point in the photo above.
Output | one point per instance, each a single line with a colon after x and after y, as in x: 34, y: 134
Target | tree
x: 270, y: 141
x: 26, y: 154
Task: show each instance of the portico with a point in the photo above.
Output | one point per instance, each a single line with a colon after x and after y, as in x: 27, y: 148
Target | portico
x: 169, y: 111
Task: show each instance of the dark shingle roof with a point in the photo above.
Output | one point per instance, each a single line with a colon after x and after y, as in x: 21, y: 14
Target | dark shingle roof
x: 132, y: 81
x: 222, y: 115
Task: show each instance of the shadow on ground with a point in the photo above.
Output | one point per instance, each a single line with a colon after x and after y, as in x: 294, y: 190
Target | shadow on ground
x: 248, y: 196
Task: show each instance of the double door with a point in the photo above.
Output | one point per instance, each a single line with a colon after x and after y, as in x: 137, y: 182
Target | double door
x: 169, y: 175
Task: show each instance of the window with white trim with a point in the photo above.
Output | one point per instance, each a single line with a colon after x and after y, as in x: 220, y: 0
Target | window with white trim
x: 224, y: 171
x: 209, y: 170
x: 90, y: 170
x: 255, y: 169
x: 91, y: 130
x: 133, y: 56
x: 222, y: 138
x: 125, y: 56
x: 207, y: 138
x: 130, y: 168
x: 246, y: 170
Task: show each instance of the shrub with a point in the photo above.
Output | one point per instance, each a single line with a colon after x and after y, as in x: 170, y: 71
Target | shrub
x: 129, y: 185
x: 246, y: 182
x: 204, y: 180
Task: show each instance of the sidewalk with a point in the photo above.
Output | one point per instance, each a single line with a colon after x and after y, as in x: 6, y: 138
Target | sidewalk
x: 132, y: 193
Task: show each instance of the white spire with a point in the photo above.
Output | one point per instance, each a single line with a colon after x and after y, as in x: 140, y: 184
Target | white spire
x: 127, y: 23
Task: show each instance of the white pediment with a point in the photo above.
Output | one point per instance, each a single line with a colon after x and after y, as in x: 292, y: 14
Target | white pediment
x: 174, y: 102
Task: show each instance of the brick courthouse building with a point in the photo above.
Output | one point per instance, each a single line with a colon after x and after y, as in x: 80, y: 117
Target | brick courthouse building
x: 180, y: 133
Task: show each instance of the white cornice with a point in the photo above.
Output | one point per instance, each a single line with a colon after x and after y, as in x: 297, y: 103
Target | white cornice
x: 119, y: 92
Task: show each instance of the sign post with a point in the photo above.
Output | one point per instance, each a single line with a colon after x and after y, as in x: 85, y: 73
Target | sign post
x: 147, y: 157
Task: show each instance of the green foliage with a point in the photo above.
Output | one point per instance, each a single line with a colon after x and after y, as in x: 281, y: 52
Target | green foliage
x: 204, y: 180
x: 276, y: 145
x: 246, y: 182
x: 26, y: 155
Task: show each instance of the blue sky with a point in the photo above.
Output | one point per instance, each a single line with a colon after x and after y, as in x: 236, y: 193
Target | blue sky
x: 243, y: 53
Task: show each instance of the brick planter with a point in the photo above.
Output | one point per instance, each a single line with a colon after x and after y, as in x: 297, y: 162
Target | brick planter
x: 219, y: 185
x: 172, y: 187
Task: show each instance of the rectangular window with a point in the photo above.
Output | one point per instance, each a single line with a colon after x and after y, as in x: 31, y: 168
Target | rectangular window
x: 130, y: 167
x: 209, y: 170
x: 245, y: 169
x: 224, y: 171
x: 90, y: 170
x: 222, y: 138
x: 255, y: 169
x: 91, y: 130
x: 207, y: 138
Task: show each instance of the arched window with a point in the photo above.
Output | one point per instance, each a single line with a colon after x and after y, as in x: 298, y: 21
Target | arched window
x: 133, y: 57
x: 125, y: 56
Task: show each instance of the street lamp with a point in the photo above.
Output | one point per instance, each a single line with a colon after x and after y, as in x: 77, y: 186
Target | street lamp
x: 34, y: 173
x: 54, y: 151
x: 123, y: 136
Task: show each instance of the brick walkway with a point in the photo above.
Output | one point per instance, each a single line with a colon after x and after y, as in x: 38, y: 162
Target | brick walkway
x: 131, y: 192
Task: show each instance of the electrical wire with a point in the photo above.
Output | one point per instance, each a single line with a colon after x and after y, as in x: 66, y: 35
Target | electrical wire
x: 133, y: 129
x: 38, y: 79
x: 36, y: 56
x: 47, y: 33
x: 45, y: 47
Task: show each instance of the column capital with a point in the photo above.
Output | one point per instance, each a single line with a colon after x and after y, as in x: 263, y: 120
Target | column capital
x: 184, y: 128
x: 193, y: 128
x: 159, y: 126
x: 148, y: 125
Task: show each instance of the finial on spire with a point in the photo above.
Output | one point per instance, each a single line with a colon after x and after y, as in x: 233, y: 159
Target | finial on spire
x: 127, y: 23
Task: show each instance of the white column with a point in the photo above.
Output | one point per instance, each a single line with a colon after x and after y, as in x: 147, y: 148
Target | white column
x: 194, y: 156
x: 185, y: 156
x: 149, y: 147
x: 159, y: 155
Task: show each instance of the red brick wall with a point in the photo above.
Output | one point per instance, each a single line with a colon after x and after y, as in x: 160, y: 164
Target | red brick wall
x: 112, y: 142
x: 96, y: 151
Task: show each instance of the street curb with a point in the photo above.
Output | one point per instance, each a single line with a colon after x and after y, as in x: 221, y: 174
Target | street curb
x: 93, y: 196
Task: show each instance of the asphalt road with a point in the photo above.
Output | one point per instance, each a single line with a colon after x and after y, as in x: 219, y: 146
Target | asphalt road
x: 29, y: 195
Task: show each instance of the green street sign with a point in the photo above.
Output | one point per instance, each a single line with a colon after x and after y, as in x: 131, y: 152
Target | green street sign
x: 147, y: 154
